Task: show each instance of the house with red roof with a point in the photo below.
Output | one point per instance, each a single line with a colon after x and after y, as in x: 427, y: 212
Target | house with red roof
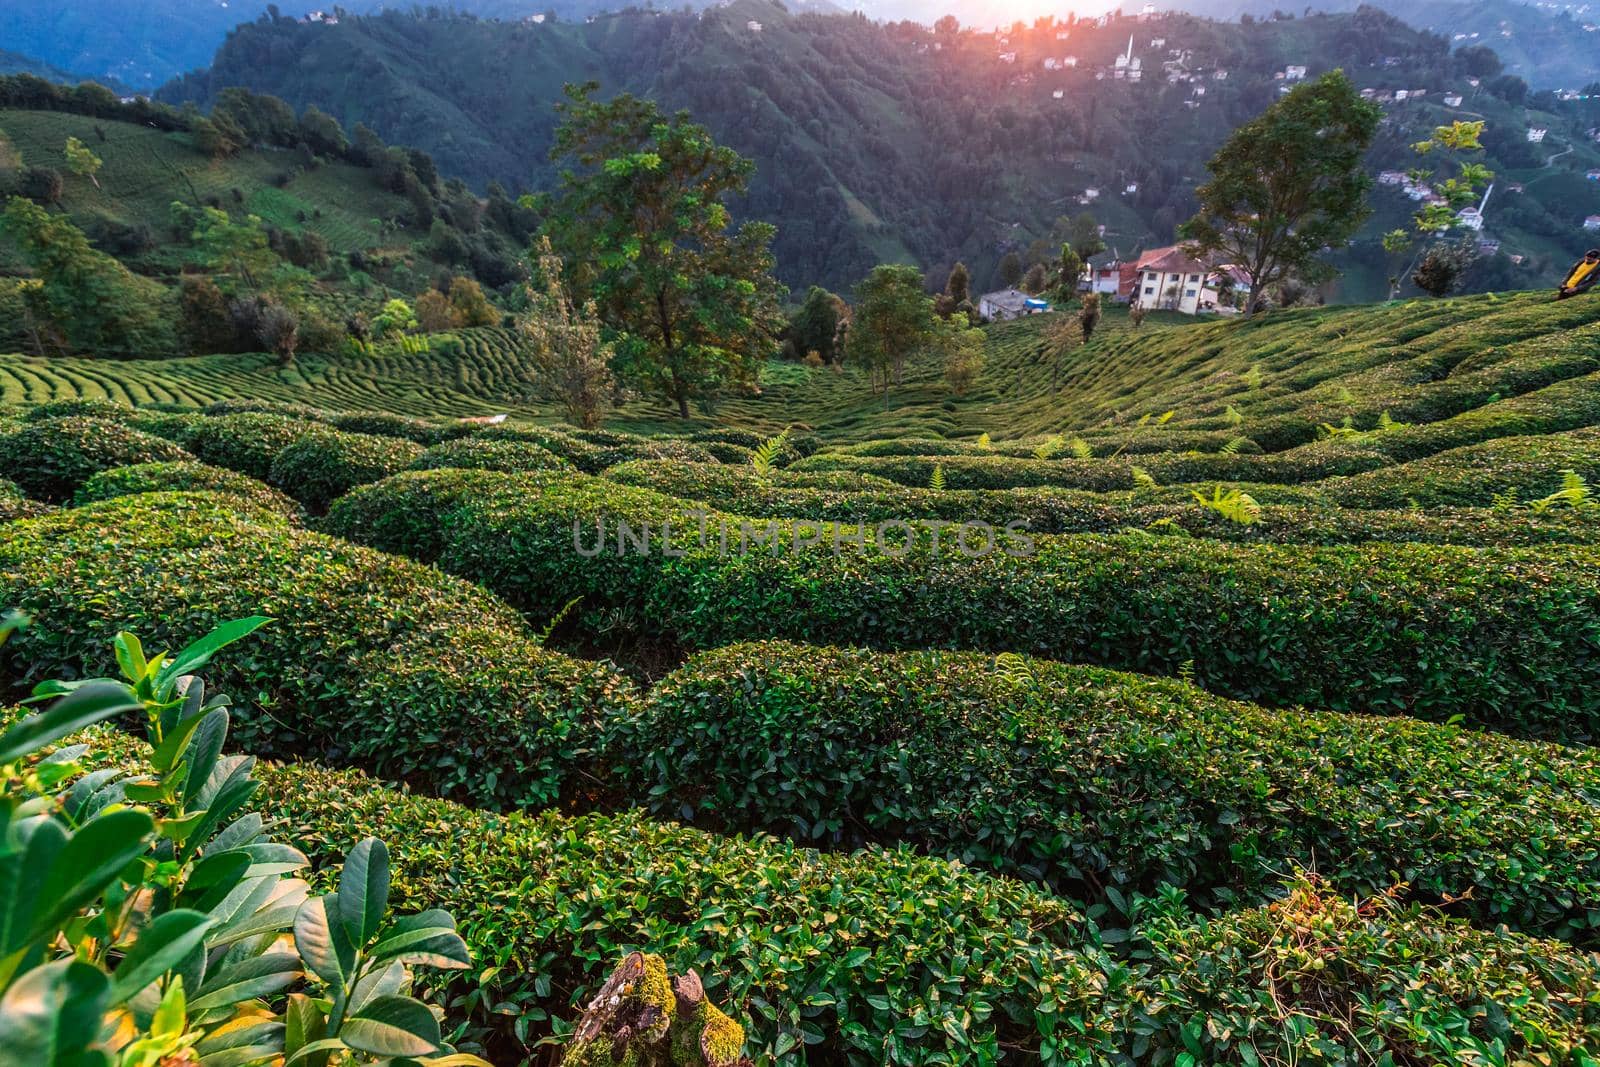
x: 1169, y: 279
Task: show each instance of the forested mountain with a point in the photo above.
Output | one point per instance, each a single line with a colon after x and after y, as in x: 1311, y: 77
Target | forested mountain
x: 881, y: 142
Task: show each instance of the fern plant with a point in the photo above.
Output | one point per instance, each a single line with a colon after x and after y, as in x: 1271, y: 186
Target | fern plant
x: 1574, y: 493
x: 1232, y: 416
x: 1080, y: 448
x: 936, y: 482
x: 766, y: 454
x: 983, y: 441
x: 1142, y: 479
x: 1048, y: 447
x: 1233, y: 446
x: 1233, y: 504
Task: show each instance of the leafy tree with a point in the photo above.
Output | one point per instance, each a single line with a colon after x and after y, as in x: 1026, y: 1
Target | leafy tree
x: 1089, y: 315
x: 820, y: 326
x: 1396, y: 243
x: 963, y: 363
x: 83, y: 162
x: 10, y: 158
x: 434, y: 313
x: 1034, y: 282
x: 567, y: 344
x: 1459, y: 138
x: 1083, y: 236
x: 1441, y: 267
x: 323, y: 133
x: 894, y: 317
x: 470, y: 306
x: 236, y: 251
x: 1288, y: 185
x: 278, y: 328
x: 693, y: 306
x: 396, y: 318
x: 1069, y: 269
x: 92, y: 302
x: 1010, y: 270
x: 204, y: 320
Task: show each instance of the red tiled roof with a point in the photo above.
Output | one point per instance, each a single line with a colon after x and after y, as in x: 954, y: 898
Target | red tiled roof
x: 1170, y: 260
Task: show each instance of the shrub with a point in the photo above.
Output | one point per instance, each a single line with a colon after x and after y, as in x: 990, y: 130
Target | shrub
x: 162, y: 477
x: 472, y: 453
x: 91, y: 407
x: 325, y: 464
x: 1006, y: 472
x: 380, y: 424
x: 246, y: 442
x: 417, y: 675
x: 1473, y: 476
x: 152, y: 919
x: 14, y: 503
x: 578, y: 452
x: 1505, y: 638
x: 303, y: 412
x: 1089, y: 778
x: 52, y: 458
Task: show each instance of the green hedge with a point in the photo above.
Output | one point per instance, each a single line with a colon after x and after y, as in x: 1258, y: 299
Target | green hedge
x: 302, y: 412
x: 471, y: 453
x: 51, y: 458
x: 1089, y: 778
x: 1105, y: 441
x: 372, y: 659
x: 89, y: 407
x: 325, y: 464
x: 578, y: 452
x: 247, y: 441
x: 1529, y: 467
x: 1100, y: 475
x: 1049, y: 510
x: 382, y: 424
x: 178, y: 477
x: 14, y: 503
x: 1507, y: 638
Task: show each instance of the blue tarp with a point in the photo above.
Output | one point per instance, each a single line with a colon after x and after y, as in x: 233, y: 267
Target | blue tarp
x: 1036, y: 303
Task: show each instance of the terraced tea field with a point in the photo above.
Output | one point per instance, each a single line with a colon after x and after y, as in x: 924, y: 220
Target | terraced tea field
x: 1207, y: 694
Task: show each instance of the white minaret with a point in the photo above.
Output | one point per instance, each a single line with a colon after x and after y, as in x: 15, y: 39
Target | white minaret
x: 1483, y: 206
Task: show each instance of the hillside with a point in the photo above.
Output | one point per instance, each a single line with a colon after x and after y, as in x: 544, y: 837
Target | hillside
x: 1232, y: 602
x: 889, y: 143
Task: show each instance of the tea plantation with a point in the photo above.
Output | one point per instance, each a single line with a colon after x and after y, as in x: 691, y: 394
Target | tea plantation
x: 1221, y: 693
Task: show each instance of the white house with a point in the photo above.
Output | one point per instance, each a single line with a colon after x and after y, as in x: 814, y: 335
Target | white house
x: 1058, y: 94
x: 1169, y: 279
x: 1401, y: 94
x: 1293, y: 74
x: 1008, y: 304
x: 1452, y: 100
x: 1471, y: 218
x: 1392, y: 177
x: 753, y: 26
x: 1536, y: 134
x: 1592, y: 222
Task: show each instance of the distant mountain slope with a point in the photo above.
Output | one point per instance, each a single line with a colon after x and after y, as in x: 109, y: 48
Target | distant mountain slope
x: 879, y: 143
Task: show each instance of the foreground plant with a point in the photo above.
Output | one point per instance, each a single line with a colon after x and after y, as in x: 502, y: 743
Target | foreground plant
x: 148, y: 920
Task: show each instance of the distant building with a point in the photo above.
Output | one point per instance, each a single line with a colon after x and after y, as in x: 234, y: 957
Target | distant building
x: 1536, y: 134
x: 1470, y: 217
x: 1220, y: 75
x: 1488, y: 247
x: 1130, y: 188
x: 1059, y: 94
x: 1452, y: 100
x: 1392, y: 177
x: 1593, y: 175
x: 1592, y: 222
x: 753, y: 26
x: 1008, y: 304
x: 1008, y: 57
x: 1293, y: 74
x: 323, y: 18
x: 1103, y: 275
x: 1401, y: 95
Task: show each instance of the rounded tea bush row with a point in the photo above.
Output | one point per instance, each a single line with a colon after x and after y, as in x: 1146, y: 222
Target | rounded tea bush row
x: 182, y: 476
x: 1088, y: 778
x: 1509, y: 639
x: 324, y: 465
x: 827, y: 957
x: 744, y: 491
x: 50, y: 458
x: 1526, y: 468
x: 371, y: 659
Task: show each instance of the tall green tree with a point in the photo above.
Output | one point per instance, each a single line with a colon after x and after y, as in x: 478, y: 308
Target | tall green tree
x: 894, y: 317
x: 691, y: 303
x: 819, y: 325
x: 1010, y: 270
x: 1288, y: 185
x: 90, y: 302
x: 82, y: 161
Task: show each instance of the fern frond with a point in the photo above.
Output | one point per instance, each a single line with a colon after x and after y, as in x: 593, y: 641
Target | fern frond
x: 1163, y: 420
x: 1080, y: 448
x: 936, y: 483
x: 1235, y: 505
x: 767, y: 453
x: 1233, y: 416
x: 1233, y: 446
x: 555, y: 620
x: 1048, y: 448
x: 1142, y: 479
x: 983, y: 441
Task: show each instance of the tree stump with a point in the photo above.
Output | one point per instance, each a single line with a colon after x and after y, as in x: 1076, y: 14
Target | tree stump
x: 643, y: 1018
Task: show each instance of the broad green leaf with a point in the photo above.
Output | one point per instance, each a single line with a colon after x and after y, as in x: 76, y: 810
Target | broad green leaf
x: 200, y: 652
x: 393, y: 1026
x: 130, y: 656
x: 23, y: 872
x: 89, y: 862
x: 322, y: 944
x: 162, y: 945
x: 257, y: 976
x: 363, y: 897
x: 428, y: 938
x: 304, y: 1024
x: 81, y: 707
x: 51, y: 1014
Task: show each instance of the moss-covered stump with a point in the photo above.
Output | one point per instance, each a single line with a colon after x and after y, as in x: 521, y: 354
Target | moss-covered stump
x: 643, y: 1018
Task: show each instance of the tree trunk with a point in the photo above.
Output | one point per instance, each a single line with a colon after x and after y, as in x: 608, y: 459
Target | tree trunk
x: 683, y: 406
x: 642, y: 1018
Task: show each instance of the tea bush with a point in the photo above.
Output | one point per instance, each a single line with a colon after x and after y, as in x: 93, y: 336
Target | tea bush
x: 1527, y: 467
x: 382, y: 424
x: 324, y: 464
x: 472, y: 453
x: 247, y: 441
x: 1504, y: 637
x: 51, y: 458
x: 414, y: 674
x: 1088, y: 779
x: 15, y: 504
x: 181, y: 476
x: 1100, y: 475
x: 1049, y: 510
